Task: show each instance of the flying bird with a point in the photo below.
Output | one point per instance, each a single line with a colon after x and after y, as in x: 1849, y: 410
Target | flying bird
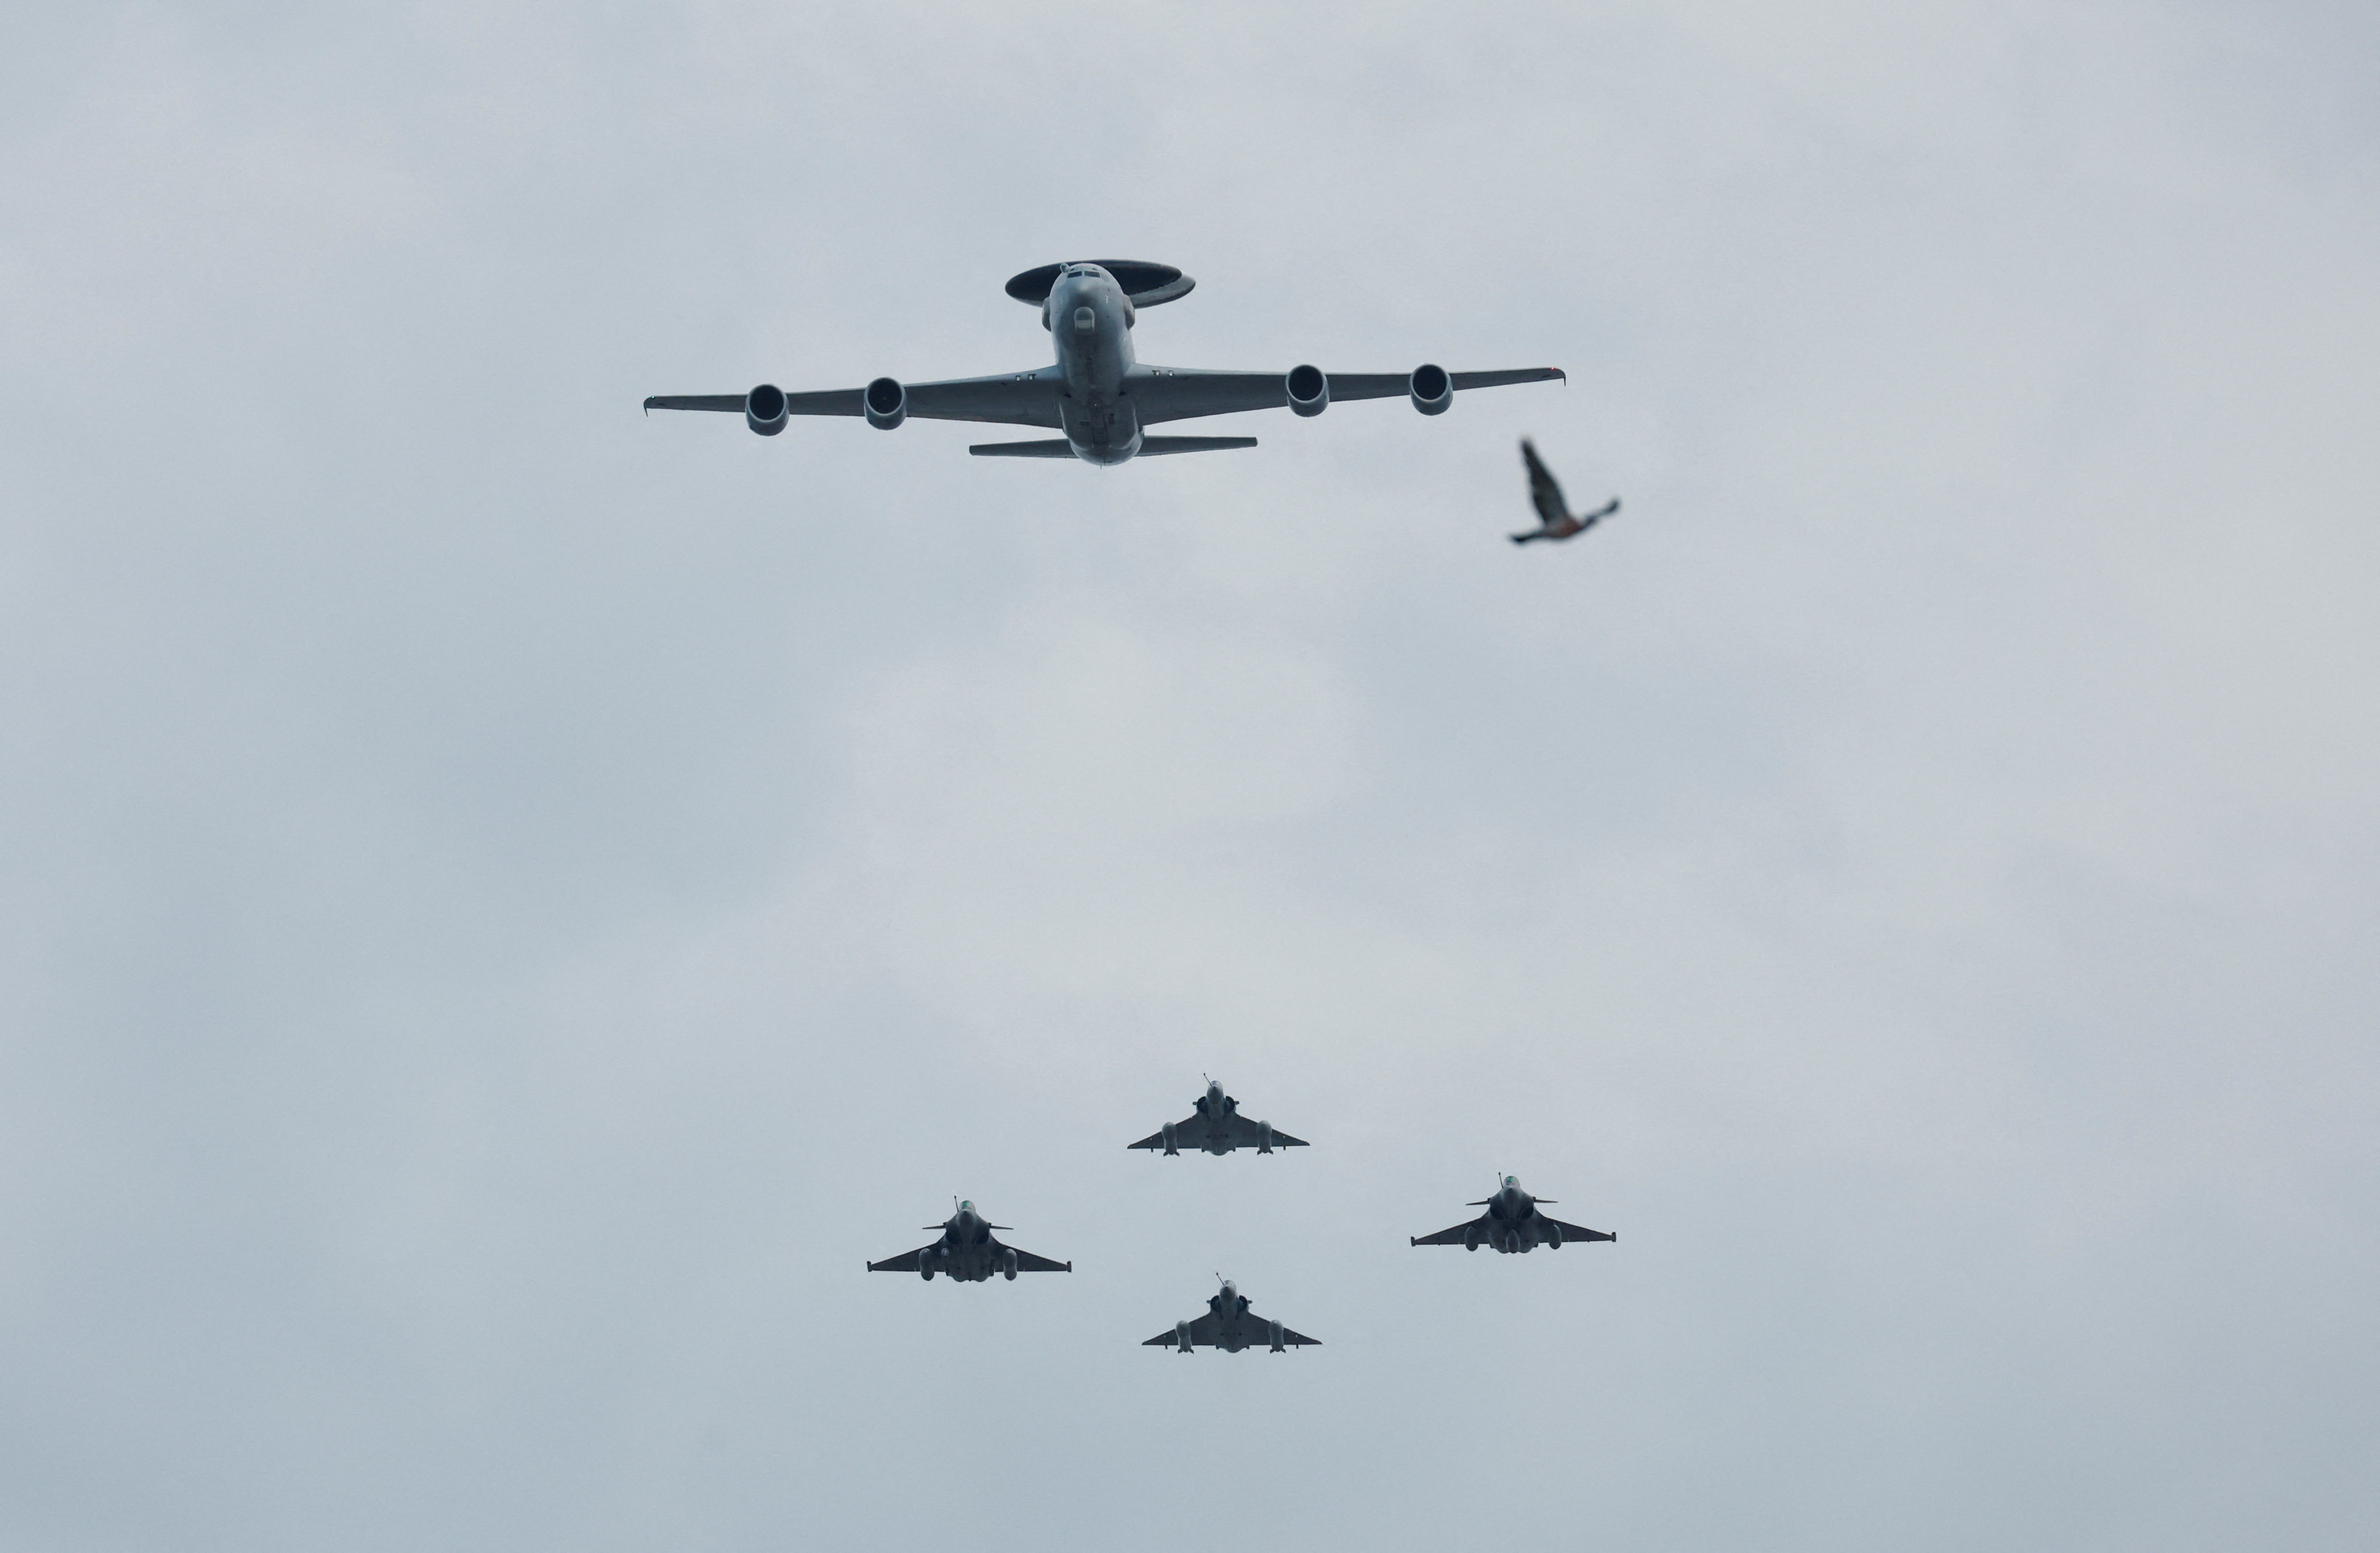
x: 1553, y: 515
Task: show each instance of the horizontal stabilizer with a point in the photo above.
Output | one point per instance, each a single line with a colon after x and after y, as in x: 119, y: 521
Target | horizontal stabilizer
x: 1149, y: 446
x: 1191, y: 444
x: 1061, y: 448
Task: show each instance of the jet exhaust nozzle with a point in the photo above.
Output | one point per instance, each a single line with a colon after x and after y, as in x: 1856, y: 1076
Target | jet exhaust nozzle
x: 1309, y: 390
x: 1431, y: 389
x: 887, y: 404
x: 764, y: 410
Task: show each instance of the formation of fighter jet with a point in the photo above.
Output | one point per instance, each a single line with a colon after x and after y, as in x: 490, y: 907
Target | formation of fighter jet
x: 1511, y: 1223
x: 1554, y: 519
x: 1216, y: 1126
x: 968, y: 1253
x: 1230, y: 1326
x: 1098, y: 393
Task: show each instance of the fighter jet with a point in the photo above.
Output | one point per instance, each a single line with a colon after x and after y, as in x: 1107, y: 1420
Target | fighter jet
x: 1217, y: 1126
x: 1511, y: 1223
x: 1230, y: 1325
x: 1554, y: 520
x: 1097, y: 393
x: 969, y: 1252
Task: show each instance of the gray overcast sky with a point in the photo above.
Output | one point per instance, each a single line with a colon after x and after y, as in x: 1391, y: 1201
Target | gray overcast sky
x: 506, y: 904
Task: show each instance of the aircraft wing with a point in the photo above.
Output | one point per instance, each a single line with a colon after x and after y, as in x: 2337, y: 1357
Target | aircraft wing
x: 1181, y: 393
x: 1451, y: 1237
x: 1252, y: 1134
x: 1009, y: 399
x: 1181, y: 1136
x: 1298, y: 1339
x: 1203, y: 1330
x: 1028, y: 1262
x: 1572, y: 1232
x: 905, y: 1262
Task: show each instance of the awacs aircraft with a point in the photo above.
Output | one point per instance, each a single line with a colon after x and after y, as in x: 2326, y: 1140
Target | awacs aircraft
x: 1217, y: 1126
x: 1098, y: 393
x: 1511, y: 1223
x: 1230, y: 1326
x: 968, y: 1251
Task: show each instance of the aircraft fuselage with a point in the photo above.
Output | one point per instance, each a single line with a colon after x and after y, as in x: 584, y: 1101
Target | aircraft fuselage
x: 1090, y: 327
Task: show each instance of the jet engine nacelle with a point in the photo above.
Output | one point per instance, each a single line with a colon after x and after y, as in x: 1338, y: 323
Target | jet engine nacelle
x: 764, y: 410
x: 1007, y: 1263
x: 1274, y: 1329
x: 887, y: 404
x: 1431, y: 389
x: 1182, y: 1336
x: 1309, y: 391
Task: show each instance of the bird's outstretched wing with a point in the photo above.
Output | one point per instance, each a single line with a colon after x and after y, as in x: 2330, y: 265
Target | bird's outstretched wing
x: 1545, y: 491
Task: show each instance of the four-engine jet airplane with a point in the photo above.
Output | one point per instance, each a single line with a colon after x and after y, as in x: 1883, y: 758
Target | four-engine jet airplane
x: 968, y: 1251
x: 1511, y: 1223
x: 1217, y: 1127
x: 1230, y: 1325
x: 1097, y: 393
